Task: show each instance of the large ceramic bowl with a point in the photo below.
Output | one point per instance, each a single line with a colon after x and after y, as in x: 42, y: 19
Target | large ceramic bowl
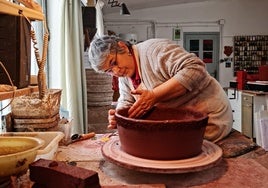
x: 16, y: 153
x: 163, y: 134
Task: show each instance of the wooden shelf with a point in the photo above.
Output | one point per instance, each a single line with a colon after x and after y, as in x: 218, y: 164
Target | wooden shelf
x: 18, y: 92
x: 250, y: 52
x: 7, y: 7
x: 10, y: 8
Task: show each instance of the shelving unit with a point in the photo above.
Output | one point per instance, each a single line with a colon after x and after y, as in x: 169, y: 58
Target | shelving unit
x: 18, y: 92
x: 250, y: 52
x: 7, y: 7
x: 10, y: 8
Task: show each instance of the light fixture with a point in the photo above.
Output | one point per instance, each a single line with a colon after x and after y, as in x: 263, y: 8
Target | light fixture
x: 124, y: 10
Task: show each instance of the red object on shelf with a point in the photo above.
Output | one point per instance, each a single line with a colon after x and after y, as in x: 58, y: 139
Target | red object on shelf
x: 263, y: 72
x: 241, y: 79
x: 252, y: 77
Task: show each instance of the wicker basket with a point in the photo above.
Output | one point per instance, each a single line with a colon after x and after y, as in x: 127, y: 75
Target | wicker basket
x: 40, y: 109
x: 32, y: 106
x: 32, y: 125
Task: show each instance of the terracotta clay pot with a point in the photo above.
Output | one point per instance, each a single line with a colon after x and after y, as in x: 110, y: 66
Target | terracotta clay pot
x: 163, y: 134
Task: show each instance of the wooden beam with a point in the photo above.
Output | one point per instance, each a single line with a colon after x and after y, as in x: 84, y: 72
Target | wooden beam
x: 90, y: 3
x: 18, y: 92
x: 7, y: 7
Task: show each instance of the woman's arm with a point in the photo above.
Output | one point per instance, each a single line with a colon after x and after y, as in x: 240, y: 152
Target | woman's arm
x: 168, y: 90
x: 147, y: 99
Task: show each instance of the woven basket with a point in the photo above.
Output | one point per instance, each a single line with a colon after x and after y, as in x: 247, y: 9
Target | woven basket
x: 32, y: 125
x: 44, y: 104
x: 32, y: 107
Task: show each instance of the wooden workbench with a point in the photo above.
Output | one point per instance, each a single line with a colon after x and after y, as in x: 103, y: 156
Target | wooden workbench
x: 244, y: 164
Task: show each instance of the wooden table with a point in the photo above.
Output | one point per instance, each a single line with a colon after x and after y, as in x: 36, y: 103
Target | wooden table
x: 244, y: 164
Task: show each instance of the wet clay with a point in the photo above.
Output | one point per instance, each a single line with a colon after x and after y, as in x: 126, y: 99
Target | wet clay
x: 163, y: 134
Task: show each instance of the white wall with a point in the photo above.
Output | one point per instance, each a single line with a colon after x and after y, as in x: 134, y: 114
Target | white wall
x: 240, y: 17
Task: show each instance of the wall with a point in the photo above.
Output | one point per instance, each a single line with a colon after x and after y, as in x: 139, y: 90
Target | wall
x: 229, y: 17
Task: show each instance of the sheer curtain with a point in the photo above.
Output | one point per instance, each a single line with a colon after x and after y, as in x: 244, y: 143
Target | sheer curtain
x: 65, y: 66
x: 99, y: 17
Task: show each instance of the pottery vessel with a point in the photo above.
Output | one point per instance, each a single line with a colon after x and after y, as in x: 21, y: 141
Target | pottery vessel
x: 163, y: 133
x: 16, y: 153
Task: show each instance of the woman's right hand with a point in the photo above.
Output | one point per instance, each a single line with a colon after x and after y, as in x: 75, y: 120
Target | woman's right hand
x: 111, y: 119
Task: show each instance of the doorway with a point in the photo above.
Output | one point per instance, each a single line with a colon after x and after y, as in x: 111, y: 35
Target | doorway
x: 206, y: 46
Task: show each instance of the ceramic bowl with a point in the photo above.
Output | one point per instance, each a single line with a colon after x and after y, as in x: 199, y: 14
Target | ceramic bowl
x: 16, y: 153
x: 163, y: 134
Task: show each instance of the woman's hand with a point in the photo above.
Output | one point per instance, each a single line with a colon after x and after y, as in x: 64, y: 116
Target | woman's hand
x: 111, y: 119
x: 145, y: 102
x: 148, y: 98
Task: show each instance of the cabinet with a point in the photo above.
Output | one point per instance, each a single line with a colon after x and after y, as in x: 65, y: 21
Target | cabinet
x: 234, y: 96
x: 245, y: 106
x: 252, y: 105
x: 247, y: 114
x: 250, y: 52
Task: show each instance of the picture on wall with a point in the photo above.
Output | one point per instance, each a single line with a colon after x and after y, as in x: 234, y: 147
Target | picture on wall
x: 176, y: 34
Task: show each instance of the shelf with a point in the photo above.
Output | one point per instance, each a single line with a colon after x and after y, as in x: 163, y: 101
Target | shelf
x: 250, y: 52
x: 18, y: 92
x: 7, y: 7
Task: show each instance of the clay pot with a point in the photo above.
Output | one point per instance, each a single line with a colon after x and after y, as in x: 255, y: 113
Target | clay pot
x: 16, y: 153
x: 163, y: 134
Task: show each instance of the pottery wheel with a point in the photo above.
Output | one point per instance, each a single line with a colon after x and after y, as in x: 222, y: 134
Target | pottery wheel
x: 210, y: 156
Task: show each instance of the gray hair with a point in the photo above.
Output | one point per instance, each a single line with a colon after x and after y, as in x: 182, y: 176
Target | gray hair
x: 100, y: 48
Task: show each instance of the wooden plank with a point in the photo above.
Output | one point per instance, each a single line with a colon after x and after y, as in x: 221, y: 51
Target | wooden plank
x: 18, y: 92
x: 7, y: 7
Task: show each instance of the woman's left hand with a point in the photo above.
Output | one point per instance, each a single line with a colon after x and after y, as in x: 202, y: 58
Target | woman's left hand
x: 145, y: 102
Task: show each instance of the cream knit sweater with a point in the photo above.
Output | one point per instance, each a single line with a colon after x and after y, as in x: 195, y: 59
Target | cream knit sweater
x: 161, y: 59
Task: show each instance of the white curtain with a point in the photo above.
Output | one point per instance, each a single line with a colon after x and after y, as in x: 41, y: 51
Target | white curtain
x: 99, y: 18
x: 65, y: 59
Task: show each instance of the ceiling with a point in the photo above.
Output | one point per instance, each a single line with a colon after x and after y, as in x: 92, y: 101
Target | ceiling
x: 142, y: 4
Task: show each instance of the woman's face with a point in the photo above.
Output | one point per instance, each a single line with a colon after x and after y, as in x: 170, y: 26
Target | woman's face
x: 120, y: 64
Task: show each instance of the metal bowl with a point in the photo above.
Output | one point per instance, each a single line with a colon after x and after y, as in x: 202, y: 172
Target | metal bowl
x: 16, y: 153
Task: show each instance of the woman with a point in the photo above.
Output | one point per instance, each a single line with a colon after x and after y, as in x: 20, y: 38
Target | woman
x: 159, y: 72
